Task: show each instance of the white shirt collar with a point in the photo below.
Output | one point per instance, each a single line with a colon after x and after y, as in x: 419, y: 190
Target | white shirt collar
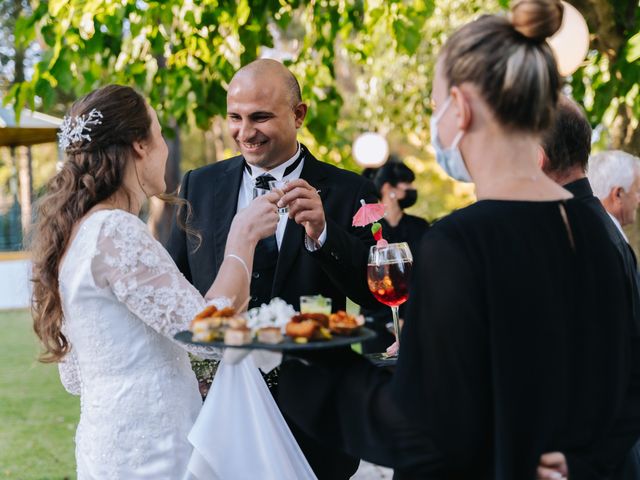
x: 277, y: 172
x: 618, y: 226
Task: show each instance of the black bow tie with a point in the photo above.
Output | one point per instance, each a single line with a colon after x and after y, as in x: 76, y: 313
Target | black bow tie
x: 287, y: 171
x: 262, y: 181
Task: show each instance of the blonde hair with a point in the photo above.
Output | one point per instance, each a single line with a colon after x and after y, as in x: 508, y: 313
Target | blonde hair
x: 508, y: 59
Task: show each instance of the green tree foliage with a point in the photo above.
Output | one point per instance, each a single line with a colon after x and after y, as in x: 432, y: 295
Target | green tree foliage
x: 182, y: 53
x: 13, y: 54
x: 608, y: 84
x: 387, y: 89
x: 363, y: 65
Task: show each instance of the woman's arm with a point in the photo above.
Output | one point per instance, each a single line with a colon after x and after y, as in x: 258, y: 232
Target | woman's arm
x: 257, y: 221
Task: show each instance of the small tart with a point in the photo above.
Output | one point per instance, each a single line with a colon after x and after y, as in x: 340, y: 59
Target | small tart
x: 237, y: 336
x: 305, y: 328
x: 270, y: 335
x: 341, y: 323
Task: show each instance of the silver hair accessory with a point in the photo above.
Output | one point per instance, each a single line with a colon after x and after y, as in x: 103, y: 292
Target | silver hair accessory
x: 73, y: 129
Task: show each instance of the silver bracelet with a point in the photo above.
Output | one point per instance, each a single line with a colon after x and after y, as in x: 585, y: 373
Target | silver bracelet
x: 244, y: 264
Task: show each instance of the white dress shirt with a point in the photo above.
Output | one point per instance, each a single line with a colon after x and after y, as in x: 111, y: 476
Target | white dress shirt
x: 618, y: 226
x: 245, y: 195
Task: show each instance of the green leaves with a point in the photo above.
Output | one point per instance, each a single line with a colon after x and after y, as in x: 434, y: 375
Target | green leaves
x: 24, y: 31
x: 46, y: 92
x: 182, y: 55
x: 242, y: 12
x: 407, y: 36
x: 633, y: 48
x: 55, y: 7
x: 61, y: 71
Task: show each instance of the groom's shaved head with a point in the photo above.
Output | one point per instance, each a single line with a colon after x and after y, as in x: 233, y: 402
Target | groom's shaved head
x: 264, y: 113
x: 266, y: 68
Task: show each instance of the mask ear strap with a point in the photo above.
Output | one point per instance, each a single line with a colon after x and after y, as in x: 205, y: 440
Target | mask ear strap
x: 443, y: 109
x: 457, y: 139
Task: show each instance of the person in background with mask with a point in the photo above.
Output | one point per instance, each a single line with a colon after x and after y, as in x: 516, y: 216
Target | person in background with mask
x: 394, y: 184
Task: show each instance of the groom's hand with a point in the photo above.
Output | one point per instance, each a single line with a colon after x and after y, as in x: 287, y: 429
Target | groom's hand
x: 305, y: 207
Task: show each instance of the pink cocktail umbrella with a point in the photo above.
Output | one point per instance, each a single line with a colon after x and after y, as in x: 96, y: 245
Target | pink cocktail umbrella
x: 370, y: 213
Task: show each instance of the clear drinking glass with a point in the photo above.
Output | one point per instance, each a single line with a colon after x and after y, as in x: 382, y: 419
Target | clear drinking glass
x: 388, y: 273
x: 279, y: 185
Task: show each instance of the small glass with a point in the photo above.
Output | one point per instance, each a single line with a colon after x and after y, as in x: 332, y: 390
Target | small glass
x: 279, y: 185
x: 258, y: 192
x: 315, y: 304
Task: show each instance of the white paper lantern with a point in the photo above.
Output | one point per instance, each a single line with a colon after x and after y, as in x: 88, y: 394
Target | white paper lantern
x: 370, y: 150
x: 570, y: 44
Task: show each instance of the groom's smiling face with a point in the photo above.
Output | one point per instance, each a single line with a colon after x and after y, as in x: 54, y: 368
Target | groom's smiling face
x: 262, y: 119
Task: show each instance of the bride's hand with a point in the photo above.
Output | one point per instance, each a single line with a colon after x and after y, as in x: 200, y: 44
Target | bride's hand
x: 259, y: 219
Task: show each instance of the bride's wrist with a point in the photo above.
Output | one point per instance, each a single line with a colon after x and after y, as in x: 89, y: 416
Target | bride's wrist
x: 242, y: 234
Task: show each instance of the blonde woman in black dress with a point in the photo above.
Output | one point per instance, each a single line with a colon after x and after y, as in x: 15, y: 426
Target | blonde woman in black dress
x: 518, y: 338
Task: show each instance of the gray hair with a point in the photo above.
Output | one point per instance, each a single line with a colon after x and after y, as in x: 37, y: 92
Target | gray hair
x: 611, y: 169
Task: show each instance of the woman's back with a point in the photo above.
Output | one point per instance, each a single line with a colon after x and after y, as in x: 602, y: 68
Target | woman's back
x: 521, y: 330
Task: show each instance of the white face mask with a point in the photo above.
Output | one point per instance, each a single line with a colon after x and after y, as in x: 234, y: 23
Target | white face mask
x: 450, y: 159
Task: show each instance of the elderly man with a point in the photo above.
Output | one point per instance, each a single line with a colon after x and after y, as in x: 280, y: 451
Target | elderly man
x: 615, y: 176
x: 564, y: 158
x: 315, y: 249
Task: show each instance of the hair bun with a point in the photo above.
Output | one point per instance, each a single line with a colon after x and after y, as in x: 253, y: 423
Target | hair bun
x: 536, y: 19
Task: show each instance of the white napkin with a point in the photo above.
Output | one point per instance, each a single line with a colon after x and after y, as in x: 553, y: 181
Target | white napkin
x: 265, y: 360
x: 240, y: 432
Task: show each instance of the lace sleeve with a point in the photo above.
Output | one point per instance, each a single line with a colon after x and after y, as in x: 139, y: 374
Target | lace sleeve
x: 69, y: 375
x: 143, y: 276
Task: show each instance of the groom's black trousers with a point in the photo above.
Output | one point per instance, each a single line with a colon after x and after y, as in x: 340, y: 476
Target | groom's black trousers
x: 327, y: 463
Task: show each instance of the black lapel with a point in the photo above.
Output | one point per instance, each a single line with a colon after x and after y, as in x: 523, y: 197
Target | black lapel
x: 226, y: 203
x: 293, y: 239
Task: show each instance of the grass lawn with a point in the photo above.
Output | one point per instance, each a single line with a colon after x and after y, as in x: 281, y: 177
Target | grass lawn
x: 38, y: 417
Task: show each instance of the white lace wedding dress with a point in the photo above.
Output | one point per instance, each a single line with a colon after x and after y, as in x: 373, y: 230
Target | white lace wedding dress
x: 123, y: 300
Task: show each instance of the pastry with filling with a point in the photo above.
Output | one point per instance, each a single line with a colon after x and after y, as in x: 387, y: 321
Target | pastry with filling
x: 270, y: 335
x: 237, y: 336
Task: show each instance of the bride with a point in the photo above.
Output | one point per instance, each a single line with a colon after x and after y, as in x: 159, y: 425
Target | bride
x: 107, y: 298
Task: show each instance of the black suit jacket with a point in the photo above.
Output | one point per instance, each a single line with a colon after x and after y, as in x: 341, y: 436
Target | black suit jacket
x: 336, y: 270
x: 581, y: 189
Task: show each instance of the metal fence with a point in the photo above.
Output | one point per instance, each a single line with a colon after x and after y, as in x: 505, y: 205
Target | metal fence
x: 11, y: 228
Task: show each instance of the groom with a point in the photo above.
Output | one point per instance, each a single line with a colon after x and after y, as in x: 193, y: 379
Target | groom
x: 315, y: 249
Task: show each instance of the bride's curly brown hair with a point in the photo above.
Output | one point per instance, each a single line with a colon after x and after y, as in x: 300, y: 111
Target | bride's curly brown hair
x: 93, y: 171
